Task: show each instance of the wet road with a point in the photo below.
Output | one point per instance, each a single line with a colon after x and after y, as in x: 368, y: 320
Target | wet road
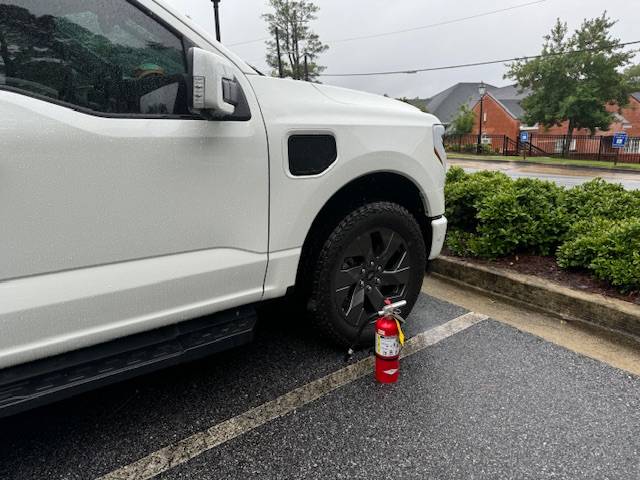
x: 485, y: 401
x: 564, y: 176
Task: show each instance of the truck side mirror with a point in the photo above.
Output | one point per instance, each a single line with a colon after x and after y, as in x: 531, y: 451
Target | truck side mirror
x: 214, y: 88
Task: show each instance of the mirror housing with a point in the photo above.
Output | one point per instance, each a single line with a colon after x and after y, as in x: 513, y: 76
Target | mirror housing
x: 214, y: 88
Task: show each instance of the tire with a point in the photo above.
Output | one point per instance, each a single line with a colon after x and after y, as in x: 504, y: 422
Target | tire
x: 375, y: 252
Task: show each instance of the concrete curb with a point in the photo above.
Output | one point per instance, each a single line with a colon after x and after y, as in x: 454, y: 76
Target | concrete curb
x: 573, y: 305
x: 531, y: 162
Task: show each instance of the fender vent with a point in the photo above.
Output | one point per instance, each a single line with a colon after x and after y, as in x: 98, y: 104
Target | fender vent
x: 311, y: 154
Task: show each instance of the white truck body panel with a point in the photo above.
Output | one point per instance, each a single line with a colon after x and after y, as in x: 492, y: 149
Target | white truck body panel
x: 46, y: 315
x: 86, y: 196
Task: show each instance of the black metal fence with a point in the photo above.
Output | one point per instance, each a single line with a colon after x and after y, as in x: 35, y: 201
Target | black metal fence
x: 584, y: 147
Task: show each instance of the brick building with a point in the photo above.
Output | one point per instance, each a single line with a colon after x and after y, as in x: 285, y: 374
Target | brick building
x: 503, y: 113
x: 504, y: 117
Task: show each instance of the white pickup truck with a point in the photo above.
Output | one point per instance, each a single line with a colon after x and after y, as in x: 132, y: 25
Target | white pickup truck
x: 154, y: 188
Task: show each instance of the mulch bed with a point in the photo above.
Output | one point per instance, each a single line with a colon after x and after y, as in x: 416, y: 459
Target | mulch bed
x: 546, y: 267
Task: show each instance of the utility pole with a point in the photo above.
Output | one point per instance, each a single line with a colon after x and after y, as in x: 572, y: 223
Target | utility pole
x: 306, y: 68
x: 482, y: 90
x: 216, y: 14
x: 280, y: 72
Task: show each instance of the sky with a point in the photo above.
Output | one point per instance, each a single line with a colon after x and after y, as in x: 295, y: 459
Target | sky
x: 508, y: 34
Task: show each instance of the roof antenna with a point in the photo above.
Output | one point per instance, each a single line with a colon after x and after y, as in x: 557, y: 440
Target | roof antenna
x: 216, y: 14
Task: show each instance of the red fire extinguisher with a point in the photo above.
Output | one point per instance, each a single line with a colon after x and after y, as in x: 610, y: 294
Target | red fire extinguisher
x: 389, y: 341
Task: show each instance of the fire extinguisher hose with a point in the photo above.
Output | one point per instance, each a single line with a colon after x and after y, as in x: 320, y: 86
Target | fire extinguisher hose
x: 354, y: 345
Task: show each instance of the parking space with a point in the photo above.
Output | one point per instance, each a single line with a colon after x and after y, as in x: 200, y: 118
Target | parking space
x: 489, y: 402
x: 486, y: 401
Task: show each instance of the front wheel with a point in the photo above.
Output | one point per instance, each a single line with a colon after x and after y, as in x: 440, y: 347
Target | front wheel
x: 376, y: 252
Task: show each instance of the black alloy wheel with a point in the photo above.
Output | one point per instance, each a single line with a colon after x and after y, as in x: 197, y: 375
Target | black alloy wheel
x: 374, y: 267
x: 375, y: 253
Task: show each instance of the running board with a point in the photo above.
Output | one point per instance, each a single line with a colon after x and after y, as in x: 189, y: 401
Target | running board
x: 44, y: 381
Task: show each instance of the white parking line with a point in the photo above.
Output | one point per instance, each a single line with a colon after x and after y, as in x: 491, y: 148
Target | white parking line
x: 184, y: 450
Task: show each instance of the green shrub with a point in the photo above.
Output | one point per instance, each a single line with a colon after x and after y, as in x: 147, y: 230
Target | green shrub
x: 453, y: 147
x: 622, y: 271
x: 523, y: 217
x: 470, y: 148
x: 463, y: 191
x: 585, y: 241
x: 458, y: 241
x: 598, y: 198
x: 500, y: 216
x: 595, y: 226
x: 609, y: 248
x: 455, y: 174
x: 473, y: 148
x: 486, y: 149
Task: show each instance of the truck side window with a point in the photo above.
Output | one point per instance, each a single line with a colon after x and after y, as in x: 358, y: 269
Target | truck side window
x: 106, y: 56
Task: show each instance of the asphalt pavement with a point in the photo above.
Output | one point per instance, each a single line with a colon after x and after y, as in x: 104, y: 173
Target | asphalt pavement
x: 488, y: 401
x: 565, y: 176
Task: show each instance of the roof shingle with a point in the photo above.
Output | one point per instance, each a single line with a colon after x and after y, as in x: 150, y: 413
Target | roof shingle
x: 446, y: 104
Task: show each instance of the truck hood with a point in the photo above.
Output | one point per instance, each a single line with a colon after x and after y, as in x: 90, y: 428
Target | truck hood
x: 297, y: 98
x: 364, y: 99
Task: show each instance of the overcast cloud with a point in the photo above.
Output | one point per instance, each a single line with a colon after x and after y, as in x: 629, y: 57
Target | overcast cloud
x: 503, y: 35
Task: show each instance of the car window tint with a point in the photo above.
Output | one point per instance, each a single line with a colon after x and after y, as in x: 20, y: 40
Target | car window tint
x: 104, y: 55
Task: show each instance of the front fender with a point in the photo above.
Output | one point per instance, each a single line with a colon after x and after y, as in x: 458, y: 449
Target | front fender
x: 373, y: 134
x: 296, y: 202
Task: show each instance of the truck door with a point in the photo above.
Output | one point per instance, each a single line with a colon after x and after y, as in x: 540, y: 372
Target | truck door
x: 121, y: 211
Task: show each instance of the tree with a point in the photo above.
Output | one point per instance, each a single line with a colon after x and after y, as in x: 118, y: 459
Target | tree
x: 632, y: 75
x: 464, y: 120
x: 415, y: 103
x: 291, y: 20
x: 575, y: 77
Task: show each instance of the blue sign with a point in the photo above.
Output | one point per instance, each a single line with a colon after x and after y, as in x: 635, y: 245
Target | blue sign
x: 619, y: 140
x: 524, y: 137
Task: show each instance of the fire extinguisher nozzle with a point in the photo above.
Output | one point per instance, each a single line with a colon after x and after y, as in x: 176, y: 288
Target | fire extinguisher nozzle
x: 390, y: 308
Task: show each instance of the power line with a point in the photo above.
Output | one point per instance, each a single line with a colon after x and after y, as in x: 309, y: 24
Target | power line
x: 248, y: 41
x: 413, y: 29
x: 475, y: 64
x: 438, y: 24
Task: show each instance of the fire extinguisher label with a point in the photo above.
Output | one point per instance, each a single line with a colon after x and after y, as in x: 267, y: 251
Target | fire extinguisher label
x: 387, y: 346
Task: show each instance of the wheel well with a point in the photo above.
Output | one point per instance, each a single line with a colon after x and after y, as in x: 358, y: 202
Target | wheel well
x: 381, y: 186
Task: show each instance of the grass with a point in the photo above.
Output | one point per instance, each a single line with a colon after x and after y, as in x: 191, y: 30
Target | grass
x: 549, y: 161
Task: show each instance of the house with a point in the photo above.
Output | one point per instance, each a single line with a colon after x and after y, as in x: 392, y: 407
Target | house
x: 503, y: 114
x: 445, y: 105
